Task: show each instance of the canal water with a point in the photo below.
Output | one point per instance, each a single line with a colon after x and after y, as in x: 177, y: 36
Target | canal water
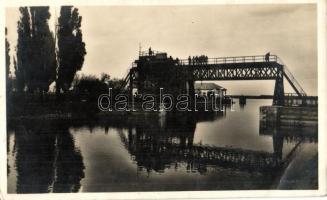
x: 167, y: 152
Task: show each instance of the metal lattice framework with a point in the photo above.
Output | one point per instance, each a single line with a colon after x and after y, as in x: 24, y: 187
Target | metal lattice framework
x: 237, y: 71
x: 234, y: 68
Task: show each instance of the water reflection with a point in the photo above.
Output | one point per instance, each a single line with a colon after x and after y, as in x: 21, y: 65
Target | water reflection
x: 301, y: 134
x: 46, y: 158
x: 102, y: 154
x: 156, y: 148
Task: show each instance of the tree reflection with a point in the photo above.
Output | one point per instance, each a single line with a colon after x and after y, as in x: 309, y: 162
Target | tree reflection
x: 69, y: 164
x: 46, y: 159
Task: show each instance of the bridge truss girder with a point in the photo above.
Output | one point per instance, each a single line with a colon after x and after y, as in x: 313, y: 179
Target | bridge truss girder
x: 242, y: 71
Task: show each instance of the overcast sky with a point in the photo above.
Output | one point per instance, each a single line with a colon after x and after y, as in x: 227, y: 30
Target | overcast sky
x: 112, y: 35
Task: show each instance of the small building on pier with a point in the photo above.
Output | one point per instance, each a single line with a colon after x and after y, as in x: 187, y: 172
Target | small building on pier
x: 206, y: 89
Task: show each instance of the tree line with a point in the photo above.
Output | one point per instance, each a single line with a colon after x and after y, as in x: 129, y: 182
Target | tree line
x: 39, y: 60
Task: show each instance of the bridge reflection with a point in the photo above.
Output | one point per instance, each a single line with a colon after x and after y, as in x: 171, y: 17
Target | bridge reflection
x: 156, y: 148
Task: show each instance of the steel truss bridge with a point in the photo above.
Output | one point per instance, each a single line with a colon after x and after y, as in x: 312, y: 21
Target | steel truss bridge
x: 235, y: 68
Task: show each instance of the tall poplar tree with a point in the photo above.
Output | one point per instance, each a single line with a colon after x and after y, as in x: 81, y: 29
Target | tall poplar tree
x: 7, y: 56
x: 71, y: 48
x: 43, y: 46
x: 8, y: 81
x: 23, y: 64
x: 36, y: 59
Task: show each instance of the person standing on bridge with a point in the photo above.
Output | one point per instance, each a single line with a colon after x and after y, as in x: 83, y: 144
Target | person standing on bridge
x: 267, y: 56
x: 150, y: 52
x: 189, y: 60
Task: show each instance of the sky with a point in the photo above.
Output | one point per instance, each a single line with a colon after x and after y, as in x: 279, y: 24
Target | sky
x: 113, y: 35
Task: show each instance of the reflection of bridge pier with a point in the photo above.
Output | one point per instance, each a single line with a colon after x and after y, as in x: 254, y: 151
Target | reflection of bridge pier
x: 295, y: 136
x: 278, y: 146
x: 290, y: 134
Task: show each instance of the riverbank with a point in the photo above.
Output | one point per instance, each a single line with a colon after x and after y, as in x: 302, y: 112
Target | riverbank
x: 306, y: 164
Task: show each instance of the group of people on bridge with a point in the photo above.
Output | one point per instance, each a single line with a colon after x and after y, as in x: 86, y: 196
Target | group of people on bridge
x: 201, y: 59
x: 198, y: 60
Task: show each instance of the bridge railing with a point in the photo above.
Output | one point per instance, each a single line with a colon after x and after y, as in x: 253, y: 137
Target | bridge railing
x: 292, y: 79
x: 150, y: 53
x: 293, y: 99
x: 227, y: 60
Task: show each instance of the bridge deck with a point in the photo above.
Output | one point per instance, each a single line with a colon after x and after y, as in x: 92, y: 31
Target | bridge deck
x: 235, y: 71
x: 229, y: 60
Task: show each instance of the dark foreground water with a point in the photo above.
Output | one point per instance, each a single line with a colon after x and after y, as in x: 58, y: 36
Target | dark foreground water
x: 147, y: 152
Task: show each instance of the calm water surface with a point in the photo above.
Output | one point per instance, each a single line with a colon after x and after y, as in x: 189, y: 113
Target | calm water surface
x: 222, y: 151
